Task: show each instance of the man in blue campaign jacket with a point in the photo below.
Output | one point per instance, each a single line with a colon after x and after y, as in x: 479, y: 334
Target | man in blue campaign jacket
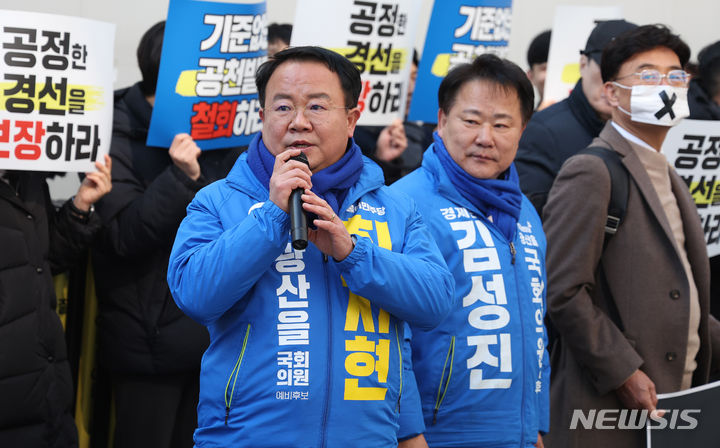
x: 483, y: 374
x: 305, y: 346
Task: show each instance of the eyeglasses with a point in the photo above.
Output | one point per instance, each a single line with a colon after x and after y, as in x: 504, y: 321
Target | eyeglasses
x: 677, y: 78
x: 314, y: 111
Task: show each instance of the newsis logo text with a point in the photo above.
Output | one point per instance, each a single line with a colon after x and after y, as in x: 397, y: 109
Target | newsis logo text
x: 634, y: 419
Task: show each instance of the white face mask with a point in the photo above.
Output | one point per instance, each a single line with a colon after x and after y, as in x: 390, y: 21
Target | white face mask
x: 657, y: 104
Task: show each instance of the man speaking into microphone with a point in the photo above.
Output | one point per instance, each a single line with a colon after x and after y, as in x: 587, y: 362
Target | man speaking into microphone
x: 305, y: 345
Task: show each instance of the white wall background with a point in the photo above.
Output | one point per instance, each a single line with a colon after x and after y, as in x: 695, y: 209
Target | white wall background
x: 695, y: 20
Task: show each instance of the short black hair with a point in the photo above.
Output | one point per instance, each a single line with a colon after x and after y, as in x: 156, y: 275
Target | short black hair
x: 539, y: 48
x: 708, y: 70
x: 490, y: 68
x: 639, y: 40
x: 345, y: 70
x: 149, y: 51
x: 279, y: 31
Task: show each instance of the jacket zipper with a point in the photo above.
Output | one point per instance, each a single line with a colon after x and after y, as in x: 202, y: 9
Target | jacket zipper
x: 442, y: 391
x: 513, y: 253
x: 234, y: 375
x: 328, y: 383
x: 400, y: 357
x: 522, y: 348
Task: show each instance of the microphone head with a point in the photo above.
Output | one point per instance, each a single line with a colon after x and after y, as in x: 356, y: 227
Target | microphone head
x: 301, y: 158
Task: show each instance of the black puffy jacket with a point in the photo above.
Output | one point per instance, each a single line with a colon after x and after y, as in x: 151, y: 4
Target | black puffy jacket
x: 702, y: 107
x: 550, y: 138
x: 36, y: 392
x: 140, y: 328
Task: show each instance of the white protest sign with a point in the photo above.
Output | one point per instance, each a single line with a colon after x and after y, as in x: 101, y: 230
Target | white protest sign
x: 378, y: 37
x: 56, y: 99
x: 571, y: 29
x: 693, y: 149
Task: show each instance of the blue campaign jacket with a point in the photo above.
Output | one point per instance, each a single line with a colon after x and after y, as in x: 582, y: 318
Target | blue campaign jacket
x: 296, y: 358
x: 483, y: 374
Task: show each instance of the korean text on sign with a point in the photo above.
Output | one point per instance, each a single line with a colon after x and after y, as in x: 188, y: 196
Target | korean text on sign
x: 56, y: 102
x: 206, y: 86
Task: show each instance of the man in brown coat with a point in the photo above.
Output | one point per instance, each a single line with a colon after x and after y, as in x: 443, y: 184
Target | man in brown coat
x: 633, y: 316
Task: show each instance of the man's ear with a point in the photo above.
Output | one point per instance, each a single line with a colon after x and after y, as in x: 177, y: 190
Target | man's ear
x: 262, y: 114
x: 442, y: 118
x: 610, y: 91
x: 353, y: 116
x: 583, y: 61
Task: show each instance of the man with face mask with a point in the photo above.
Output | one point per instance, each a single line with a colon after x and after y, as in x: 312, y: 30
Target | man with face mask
x: 632, y: 310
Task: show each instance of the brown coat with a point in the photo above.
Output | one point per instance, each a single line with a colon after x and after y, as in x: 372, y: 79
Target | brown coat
x: 646, y: 280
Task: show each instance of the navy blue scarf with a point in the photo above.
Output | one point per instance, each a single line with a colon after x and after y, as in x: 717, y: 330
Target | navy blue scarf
x: 331, y: 183
x: 499, y: 198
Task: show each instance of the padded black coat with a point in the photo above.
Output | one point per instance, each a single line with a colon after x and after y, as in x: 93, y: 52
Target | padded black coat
x: 141, y: 330
x: 36, y: 391
x: 551, y: 137
x: 702, y: 107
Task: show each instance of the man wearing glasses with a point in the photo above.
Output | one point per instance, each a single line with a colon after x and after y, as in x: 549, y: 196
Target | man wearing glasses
x: 305, y: 345
x: 632, y: 310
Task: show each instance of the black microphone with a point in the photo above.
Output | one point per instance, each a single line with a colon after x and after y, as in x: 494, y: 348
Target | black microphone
x: 298, y: 218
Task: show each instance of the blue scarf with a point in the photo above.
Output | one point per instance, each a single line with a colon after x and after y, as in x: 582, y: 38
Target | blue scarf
x: 331, y: 183
x: 499, y: 198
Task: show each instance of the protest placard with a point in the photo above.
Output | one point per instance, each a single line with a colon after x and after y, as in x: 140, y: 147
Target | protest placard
x: 690, y: 418
x: 376, y: 36
x: 56, y: 98
x: 206, y: 85
x: 693, y: 149
x: 459, y: 31
x: 571, y: 28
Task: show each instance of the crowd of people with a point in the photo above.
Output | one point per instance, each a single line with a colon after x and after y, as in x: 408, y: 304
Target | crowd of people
x: 467, y: 283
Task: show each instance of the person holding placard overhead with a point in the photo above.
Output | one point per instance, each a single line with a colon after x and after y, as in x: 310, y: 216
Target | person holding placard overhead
x: 150, y: 349
x: 37, y: 241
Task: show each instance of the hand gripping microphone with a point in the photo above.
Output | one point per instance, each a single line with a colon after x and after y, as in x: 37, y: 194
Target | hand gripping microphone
x: 298, y: 218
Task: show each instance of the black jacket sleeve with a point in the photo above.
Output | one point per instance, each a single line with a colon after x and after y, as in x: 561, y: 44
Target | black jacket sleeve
x: 70, y: 237
x: 536, y: 163
x: 141, y: 217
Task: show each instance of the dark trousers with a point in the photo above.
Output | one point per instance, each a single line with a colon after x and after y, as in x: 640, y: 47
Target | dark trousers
x: 155, y: 411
